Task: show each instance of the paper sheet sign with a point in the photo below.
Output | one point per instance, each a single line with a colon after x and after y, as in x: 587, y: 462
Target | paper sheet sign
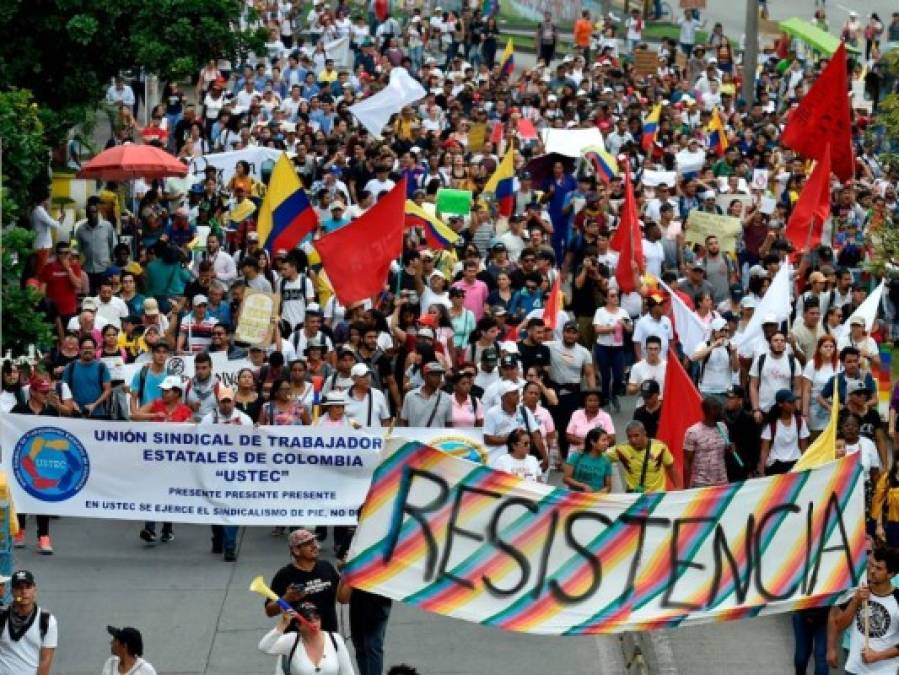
x: 254, y: 326
x: 700, y: 225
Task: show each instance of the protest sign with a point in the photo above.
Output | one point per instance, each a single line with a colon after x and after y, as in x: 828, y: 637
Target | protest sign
x: 225, y: 370
x: 257, y: 311
x: 700, y: 225
x: 689, y: 162
x: 760, y: 179
x: 692, y: 4
x: 652, y: 178
x: 494, y: 549
x: 215, y: 474
x: 646, y: 62
x: 257, y: 157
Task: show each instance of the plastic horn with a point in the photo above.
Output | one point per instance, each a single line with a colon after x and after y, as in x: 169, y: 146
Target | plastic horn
x: 259, y: 586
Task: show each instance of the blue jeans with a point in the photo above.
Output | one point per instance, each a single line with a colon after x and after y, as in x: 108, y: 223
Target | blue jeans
x: 810, y: 637
x: 610, y: 361
x: 227, y: 534
x: 369, y: 646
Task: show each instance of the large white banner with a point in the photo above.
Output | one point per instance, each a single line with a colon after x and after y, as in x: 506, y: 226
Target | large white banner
x: 216, y: 474
x: 225, y: 162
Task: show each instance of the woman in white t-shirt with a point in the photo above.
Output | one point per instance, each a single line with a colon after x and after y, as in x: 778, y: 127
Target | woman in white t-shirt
x: 817, y: 373
x: 519, y: 461
x: 610, y: 323
x: 784, y: 435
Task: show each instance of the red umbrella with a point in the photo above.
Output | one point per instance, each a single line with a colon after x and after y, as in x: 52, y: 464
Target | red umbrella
x: 127, y: 162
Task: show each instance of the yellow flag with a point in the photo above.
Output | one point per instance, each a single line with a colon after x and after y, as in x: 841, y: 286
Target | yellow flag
x: 824, y: 449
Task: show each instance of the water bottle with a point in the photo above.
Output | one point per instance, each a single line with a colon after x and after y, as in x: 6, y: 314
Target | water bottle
x: 619, y: 334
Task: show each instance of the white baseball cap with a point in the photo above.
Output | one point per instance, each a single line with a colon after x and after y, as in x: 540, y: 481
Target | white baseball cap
x: 172, y: 382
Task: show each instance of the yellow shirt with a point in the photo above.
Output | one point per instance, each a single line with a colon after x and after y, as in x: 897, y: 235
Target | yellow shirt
x: 328, y: 77
x: 632, y: 461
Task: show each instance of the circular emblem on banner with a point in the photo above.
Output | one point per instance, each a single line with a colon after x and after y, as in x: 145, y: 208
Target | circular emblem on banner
x: 50, y: 464
x: 463, y: 447
x: 175, y: 366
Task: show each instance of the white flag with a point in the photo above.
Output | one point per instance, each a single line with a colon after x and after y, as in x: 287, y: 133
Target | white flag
x: 869, y: 308
x: 374, y: 112
x: 691, y: 332
x: 339, y: 50
x: 777, y: 302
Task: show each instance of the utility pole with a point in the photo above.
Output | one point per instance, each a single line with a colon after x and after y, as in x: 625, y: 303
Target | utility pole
x: 751, y: 51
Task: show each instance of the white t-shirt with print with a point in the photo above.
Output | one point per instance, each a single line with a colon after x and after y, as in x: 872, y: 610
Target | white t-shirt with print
x: 23, y: 656
x: 527, y: 468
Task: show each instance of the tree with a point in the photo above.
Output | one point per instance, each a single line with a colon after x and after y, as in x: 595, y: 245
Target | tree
x: 66, y: 51
x: 26, y: 176
x: 23, y: 324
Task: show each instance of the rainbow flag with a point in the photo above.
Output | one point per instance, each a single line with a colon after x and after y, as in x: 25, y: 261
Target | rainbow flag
x: 438, y: 235
x: 286, y: 216
x: 717, y: 135
x: 651, y: 128
x: 507, y: 59
x: 884, y: 386
x: 501, y: 184
x: 604, y: 165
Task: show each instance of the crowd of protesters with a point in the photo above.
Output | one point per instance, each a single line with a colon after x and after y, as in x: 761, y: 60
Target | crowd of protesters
x: 459, y: 336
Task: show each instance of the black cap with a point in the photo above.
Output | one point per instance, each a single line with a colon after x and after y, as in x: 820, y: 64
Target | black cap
x: 570, y: 325
x: 649, y: 387
x: 735, y: 391
x: 489, y: 354
x: 508, y: 361
x: 130, y: 637
x: 22, y: 577
x: 736, y: 291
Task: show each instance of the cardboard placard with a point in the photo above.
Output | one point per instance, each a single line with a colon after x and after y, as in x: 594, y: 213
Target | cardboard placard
x: 760, y: 179
x: 725, y: 200
x: 692, y: 4
x: 646, y: 62
x: 254, y: 326
x: 700, y: 225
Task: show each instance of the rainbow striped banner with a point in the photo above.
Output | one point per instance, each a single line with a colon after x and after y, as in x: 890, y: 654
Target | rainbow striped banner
x: 884, y: 384
x: 463, y: 540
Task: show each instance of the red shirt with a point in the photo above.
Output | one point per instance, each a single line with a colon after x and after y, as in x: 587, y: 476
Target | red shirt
x: 59, y: 286
x: 181, y: 413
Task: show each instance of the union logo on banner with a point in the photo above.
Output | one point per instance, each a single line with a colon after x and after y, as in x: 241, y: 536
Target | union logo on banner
x: 50, y: 464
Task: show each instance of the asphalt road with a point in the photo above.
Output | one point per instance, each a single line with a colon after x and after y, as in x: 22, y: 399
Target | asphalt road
x: 197, y: 615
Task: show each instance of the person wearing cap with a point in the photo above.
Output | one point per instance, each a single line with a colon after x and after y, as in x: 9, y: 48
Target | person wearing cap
x: 784, y: 435
x: 127, y: 647
x: 86, y: 322
x: 857, y: 402
x: 195, y: 331
x: 311, y: 649
x: 427, y: 405
x: 366, y: 405
x: 650, y: 411
x: 307, y: 578
x: 508, y: 416
x: 341, y: 378
x: 170, y: 408
x: 744, y: 431
x: 654, y: 322
x: 717, y: 359
x: 771, y: 371
x: 508, y: 373
x: 857, y: 336
x: 706, y: 445
x: 310, y: 331
x: 28, y: 635
x: 61, y: 277
x: 39, y: 390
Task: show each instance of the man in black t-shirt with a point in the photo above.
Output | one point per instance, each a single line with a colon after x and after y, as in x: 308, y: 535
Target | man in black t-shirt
x: 307, y: 579
x: 651, y: 410
x: 531, y: 349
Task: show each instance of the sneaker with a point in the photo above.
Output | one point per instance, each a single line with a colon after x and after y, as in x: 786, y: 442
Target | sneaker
x: 44, y: 547
x: 230, y: 555
x: 167, y: 536
x: 148, y: 536
x: 217, y: 546
x: 19, y: 539
x: 278, y: 531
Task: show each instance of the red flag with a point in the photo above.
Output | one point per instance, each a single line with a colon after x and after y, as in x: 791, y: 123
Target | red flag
x: 681, y: 409
x: 357, y: 256
x: 553, y: 304
x: 806, y: 223
x: 496, y: 134
x: 628, y: 239
x: 526, y: 130
x: 823, y: 117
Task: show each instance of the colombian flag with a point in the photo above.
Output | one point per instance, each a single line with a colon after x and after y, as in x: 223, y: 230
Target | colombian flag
x: 438, y: 235
x: 604, y: 165
x: 286, y: 216
x: 716, y: 133
x: 651, y: 128
x: 500, y: 184
x: 507, y: 60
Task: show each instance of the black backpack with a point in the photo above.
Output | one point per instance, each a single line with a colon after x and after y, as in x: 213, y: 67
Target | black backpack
x: 791, y: 359
x: 43, y: 623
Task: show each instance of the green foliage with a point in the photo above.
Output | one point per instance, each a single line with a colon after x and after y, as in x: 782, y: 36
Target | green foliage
x: 23, y: 325
x: 66, y: 51
x: 26, y: 174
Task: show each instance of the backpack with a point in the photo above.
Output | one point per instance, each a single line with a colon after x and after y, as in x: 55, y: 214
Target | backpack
x: 285, y: 662
x: 68, y: 376
x: 43, y: 622
x: 797, y: 420
x: 792, y: 360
